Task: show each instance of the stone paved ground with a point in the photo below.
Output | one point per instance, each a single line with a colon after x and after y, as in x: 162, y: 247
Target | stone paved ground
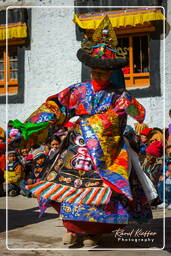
x: 28, y: 235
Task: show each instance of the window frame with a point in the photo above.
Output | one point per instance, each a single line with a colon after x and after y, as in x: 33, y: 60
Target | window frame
x: 12, y: 83
x: 22, y: 45
x: 19, y: 97
x: 133, y: 75
x: 155, y: 78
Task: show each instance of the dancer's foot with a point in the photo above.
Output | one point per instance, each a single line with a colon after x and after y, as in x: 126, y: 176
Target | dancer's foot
x: 91, y: 240
x: 162, y: 205
x: 69, y: 238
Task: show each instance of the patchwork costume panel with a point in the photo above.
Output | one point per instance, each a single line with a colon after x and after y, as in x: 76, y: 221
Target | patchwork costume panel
x: 93, y: 183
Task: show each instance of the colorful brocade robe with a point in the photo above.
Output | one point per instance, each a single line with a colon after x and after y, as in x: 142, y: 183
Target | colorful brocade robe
x: 95, y: 168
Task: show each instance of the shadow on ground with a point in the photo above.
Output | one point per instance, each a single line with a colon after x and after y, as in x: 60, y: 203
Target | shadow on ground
x: 21, y: 218
x: 153, y: 240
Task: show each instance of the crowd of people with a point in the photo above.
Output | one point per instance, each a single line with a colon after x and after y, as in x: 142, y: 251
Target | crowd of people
x: 30, y: 163
x: 150, y: 146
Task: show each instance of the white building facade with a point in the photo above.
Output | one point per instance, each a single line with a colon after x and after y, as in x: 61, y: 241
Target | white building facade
x: 50, y: 63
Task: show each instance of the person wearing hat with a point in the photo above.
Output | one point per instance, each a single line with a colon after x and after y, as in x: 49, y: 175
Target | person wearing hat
x: 144, y: 138
x: 38, y: 167
x: 156, y: 135
x: 14, y: 174
x: 2, y: 133
x: 2, y: 166
x: 168, y: 151
x: 153, y: 164
x: 169, y: 130
x: 167, y: 202
x: 140, y: 127
x: 96, y: 189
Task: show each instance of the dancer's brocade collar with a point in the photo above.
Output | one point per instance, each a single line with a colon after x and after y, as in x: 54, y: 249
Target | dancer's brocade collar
x: 99, y: 85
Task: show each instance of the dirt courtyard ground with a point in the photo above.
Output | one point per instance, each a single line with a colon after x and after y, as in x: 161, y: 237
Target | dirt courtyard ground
x: 29, y: 235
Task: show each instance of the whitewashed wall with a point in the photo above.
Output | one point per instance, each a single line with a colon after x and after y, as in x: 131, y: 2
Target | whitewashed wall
x: 157, y: 108
x: 51, y: 64
x: 168, y: 68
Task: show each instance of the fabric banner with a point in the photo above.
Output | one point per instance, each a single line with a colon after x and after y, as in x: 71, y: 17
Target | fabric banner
x: 121, y: 18
x: 15, y: 31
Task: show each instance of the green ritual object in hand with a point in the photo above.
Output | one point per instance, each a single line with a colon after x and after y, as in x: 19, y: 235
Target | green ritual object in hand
x: 28, y: 128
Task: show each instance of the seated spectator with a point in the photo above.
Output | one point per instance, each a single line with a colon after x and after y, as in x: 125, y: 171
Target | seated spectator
x: 46, y: 149
x: 62, y: 133
x: 160, y: 187
x: 2, y: 133
x: 2, y: 167
x: 169, y: 130
x: 143, y: 143
x: 24, y: 152
x: 168, y: 151
x: 37, y: 172
x: 156, y: 134
x: 14, y: 175
x: 55, y: 143
x: 22, y: 155
x: 139, y: 127
x: 2, y: 139
x: 153, y: 164
x: 166, y: 136
x: 144, y: 138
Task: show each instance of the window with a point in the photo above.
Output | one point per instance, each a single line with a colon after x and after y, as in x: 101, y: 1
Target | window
x: 12, y: 63
x: 9, y: 70
x: 12, y: 69
x: 142, y: 47
x: 136, y: 49
x: 142, y: 76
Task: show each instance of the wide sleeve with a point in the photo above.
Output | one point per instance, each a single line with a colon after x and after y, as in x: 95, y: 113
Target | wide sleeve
x: 131, y: 106
x: 57, y: 109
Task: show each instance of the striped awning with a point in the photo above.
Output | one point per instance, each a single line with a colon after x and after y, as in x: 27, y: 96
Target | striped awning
x: 14, y: 31
x: 121, y: 18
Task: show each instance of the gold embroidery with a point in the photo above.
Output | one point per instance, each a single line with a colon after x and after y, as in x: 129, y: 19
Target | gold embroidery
x: 91, y: 184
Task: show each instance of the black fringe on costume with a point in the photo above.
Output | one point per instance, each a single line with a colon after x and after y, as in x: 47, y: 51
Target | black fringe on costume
x: 94, y: 62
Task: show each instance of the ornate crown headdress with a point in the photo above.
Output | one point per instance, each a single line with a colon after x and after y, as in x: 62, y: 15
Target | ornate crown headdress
x: 99, y: 51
